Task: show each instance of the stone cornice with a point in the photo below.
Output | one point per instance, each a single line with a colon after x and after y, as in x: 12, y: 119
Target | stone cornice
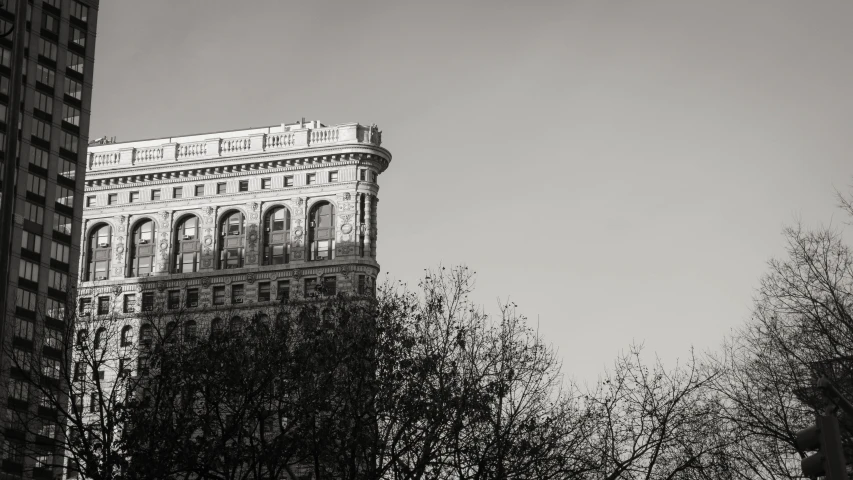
x: 181, y: 176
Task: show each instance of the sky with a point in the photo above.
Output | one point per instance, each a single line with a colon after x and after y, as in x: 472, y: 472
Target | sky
x: 622, y: 171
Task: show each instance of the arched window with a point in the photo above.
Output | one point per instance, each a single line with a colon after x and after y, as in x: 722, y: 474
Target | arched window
x: 216, y: 325
x: 82, y: 338
x: 231, y: 230
x: 276, y: 233
x: 127, y: 336
x: 145, y: 333
x: 190, y: 331
x: 263, y: 321
x: 171, y: 333
x: 187, y: 245
x: 98, y: 253
x: 100, y: 341
x: 236, y: 325
x: 142, y: 249
x: 321, y: 232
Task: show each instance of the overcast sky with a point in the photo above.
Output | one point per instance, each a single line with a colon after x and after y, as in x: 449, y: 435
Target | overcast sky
x: 622, y: 170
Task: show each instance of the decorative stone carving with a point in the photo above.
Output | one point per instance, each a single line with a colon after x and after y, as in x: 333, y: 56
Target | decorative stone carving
x: 116, y: 289
x: 346, y: 228
x: 253, y: 237
x: 250, y: 278
x: 139, y: 287
x: 205, y: 282
x: 347, y: 196
x: 297, y: 274
x: 161, y: 286
x: 254, y: 208
x: 206, y: 263
x: 207, y: 244
x: 252, y: 258
x: 227, y: 280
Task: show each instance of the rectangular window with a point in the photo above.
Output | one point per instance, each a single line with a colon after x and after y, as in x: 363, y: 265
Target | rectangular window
x: 310, y: 179
x: 220, y: 188
x: 103, y: 305
x: 26, y: 300
x: 288, y: 181
x: 330, y: 285
x: 80, y: 11
x: 33, y: 212
x: 333, y: 177
x: 73, y: 89
x: 41, y: 130
x: 75, y: 62
x: 49, y: 22
x: 112, y: 199
x: 155, y: 194
x: 310, y: 287
x: 4, y: 85
x: 237, y: 293
x: 61, y: 223
x: 264, y: 291
x: 36, y: 185
x: 22, y: 359
x: 266, y: 183
x: 244, y: 185
x: 283, y: 290
x: 85, y: 305
x: 67, y: 169
x: 134, y: 197
x: 129, y: 303
x: 147, y: 301
x: 178, y: 192
x: 53, y: 338
x: 199, y: 190
x: 47, y: 49
x: 45, y: 75
x: 70, y: 115
x: 38, y: 157
x: 59, y: 252
x: 192, y: 297
x: 363, y: 175
x: 68, y: 141
x: 43, y: 102
x: 219, y: 295
x: 24, y: 328
x: 77, y: 37
x: 31, y: 241
x: 5, y: 58
x: 174, y: 299
x: 55, y: 309
x: 57, y: 280
x: 91, y: 201
x: 18, y: 389
x: 28, y: 271
x: 51, y: 368
x: 65, y: 196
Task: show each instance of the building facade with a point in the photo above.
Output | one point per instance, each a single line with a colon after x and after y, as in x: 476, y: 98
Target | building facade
x: 43, y: 203
x: 231, y: 220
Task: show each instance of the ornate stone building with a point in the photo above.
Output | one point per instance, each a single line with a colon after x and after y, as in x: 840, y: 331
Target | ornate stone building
x: 230, y: 220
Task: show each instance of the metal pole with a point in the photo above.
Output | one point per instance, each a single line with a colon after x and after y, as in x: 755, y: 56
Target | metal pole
x: 10, y: 165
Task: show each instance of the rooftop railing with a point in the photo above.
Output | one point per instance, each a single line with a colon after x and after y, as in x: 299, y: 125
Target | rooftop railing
x: 113, y: 156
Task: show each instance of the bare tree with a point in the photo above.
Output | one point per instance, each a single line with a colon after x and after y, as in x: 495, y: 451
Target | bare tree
x: 654, y: 423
